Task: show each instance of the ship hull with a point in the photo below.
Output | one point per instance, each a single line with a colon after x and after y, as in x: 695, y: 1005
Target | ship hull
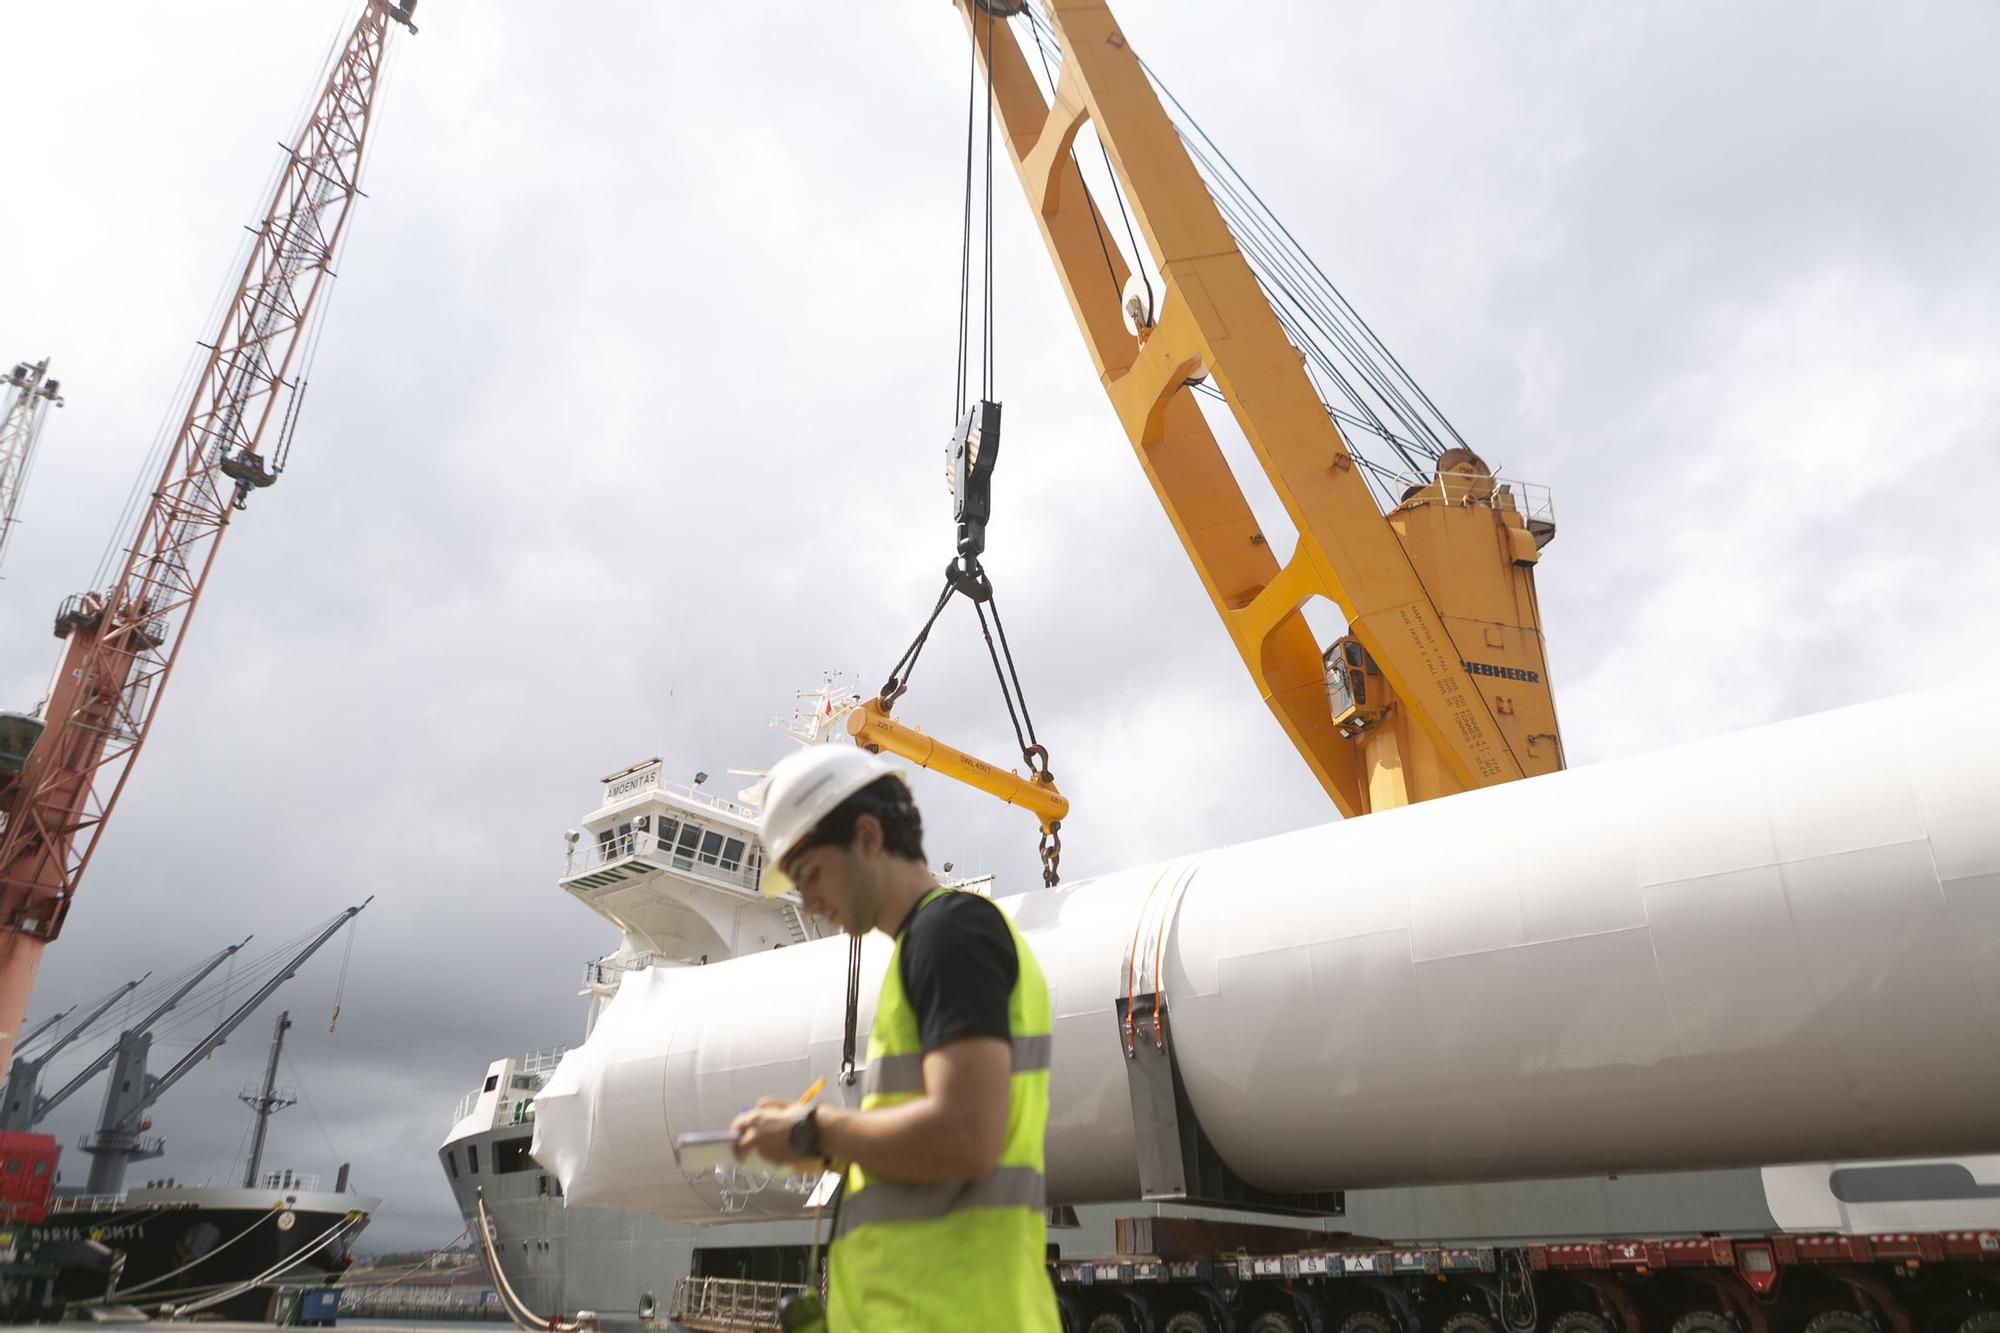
x: 181, y: 1246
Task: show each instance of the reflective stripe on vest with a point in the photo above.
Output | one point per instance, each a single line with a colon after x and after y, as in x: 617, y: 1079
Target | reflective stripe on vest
x: 950, y: 1255
x: 884, y: 1201
x: 905, y: 1073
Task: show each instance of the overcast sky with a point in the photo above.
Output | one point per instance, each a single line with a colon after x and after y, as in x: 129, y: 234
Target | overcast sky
x: 628, y: 418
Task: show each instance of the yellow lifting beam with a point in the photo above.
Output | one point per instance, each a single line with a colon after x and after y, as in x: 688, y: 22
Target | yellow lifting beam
x: 1439, y: 594
x: 873, y: 729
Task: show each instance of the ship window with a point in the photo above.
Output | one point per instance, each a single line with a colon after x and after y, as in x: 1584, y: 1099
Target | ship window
x: 492, y: 1082
x: 13, y: 1166
x: 668, y: 827
x: 690, y: 835
x: 711, y: 847
x: 41, y: 1168
x: 732, y: 854
x: 472, y: 1158
x: 451, y: 1163
x: 605, y: 838
x: 525, y: 1081
x: 511, y: 1155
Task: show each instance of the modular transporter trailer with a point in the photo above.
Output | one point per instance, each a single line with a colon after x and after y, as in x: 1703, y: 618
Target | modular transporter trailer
x: 1193, y: 1275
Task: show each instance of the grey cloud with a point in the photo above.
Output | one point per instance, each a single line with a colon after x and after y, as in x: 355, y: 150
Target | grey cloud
x: 628, y: 418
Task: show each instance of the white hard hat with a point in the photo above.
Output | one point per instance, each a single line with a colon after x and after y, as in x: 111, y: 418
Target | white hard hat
x: 802, y: 790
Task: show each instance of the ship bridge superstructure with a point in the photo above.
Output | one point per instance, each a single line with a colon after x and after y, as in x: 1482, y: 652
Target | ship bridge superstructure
x: 676, y: 870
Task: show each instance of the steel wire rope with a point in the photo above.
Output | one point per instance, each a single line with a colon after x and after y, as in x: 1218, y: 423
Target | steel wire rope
x: 1089, y: 199
x: 965, y: 243
x: 347, y: 1284
x: 194, y: 1007
x: 988, y: 369
x: 1290, y: 278
x: 1281, y: 255
x: 1036, y: 22
x: 122, y: 1292
x: 1338, y: 296
x: 277, y: 1270
x: 340, y: 986
x: 258, y: 971
x: 1279, y: 271
x: 305, y: 1100
x: 124, y: 535
x: 242, y: 1140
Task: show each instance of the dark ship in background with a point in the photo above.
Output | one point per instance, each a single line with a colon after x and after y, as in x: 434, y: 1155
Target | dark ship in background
x: 231, y: 1252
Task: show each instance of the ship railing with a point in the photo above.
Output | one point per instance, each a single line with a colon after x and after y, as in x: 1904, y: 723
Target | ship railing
x: 466, y: 1103
x: 609, y: 970
x: 287, y: 1180
x: 727, y: 1304
x: 85, y: 1203
x: 722, y: 803
x: 542, y: 1061
x: 584, y: 858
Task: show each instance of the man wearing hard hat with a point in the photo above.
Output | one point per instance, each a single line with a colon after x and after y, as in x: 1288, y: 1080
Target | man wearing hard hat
x: 940, y: 1224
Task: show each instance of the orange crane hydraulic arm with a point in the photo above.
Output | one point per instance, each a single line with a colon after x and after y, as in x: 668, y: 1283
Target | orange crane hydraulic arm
x: 1441, y: 684
x: 123, y: 641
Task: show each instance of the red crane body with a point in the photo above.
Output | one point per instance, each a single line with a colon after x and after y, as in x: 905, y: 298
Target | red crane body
x: 122, y: 643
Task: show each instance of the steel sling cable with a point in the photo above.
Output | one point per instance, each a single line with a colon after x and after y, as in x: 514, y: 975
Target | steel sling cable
x: 972, y: 456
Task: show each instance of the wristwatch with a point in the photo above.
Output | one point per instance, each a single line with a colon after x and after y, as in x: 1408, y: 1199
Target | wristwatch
x: 802, y: 1139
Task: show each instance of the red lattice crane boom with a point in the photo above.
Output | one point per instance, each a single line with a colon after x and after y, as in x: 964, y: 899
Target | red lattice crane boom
x: 123, y: 641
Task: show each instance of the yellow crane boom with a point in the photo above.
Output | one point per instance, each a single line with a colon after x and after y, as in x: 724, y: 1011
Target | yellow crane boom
x: 1442, y: 682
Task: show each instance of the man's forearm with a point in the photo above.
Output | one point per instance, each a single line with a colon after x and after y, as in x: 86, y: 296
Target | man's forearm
x: 917, y: 1141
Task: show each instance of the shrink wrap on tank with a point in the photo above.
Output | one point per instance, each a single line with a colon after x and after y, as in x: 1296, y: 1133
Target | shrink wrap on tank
x: 1779, y: 945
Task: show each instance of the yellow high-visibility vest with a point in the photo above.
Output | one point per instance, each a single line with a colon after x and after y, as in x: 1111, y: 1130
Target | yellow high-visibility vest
x: 955, y: 1254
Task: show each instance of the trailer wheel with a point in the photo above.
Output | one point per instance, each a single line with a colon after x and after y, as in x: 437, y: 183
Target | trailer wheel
x: 1467, y: 1321
x: 1367, y: 1321
x: 1188, y: 1321
x: 1273, y: 1321
x: 1111, y: 1321
x: 1985, y: 1321
x: 1840, y: 1321
x: 1581, y: 1321
x: 1704, y: 1321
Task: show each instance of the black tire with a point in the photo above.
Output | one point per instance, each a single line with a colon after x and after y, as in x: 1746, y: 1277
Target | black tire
x: 1366, y: 1321
x: 1980, y: 1321
x: 1188, y: 1321
x: 1467, y: 1321
x: 1273, y: 1321
x: 1704, y: 1321
x: 1111, y: 1321
x: 1581, y: 1321
x: 1840, y: 1321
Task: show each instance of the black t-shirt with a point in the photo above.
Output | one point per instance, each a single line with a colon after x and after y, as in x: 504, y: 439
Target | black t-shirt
x: 958, y: 969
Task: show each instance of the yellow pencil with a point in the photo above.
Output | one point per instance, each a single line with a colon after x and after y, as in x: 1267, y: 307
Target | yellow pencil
x: 811, y: 1092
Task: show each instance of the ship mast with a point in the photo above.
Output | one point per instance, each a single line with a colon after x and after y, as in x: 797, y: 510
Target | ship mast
x: 266, y: 1101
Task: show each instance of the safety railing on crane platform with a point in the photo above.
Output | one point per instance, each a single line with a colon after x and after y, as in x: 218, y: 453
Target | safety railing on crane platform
x: 727, y: 1304
x: 1532, y: 500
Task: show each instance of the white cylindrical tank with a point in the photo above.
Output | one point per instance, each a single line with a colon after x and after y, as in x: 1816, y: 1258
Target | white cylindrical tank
x: 1780, y: 945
